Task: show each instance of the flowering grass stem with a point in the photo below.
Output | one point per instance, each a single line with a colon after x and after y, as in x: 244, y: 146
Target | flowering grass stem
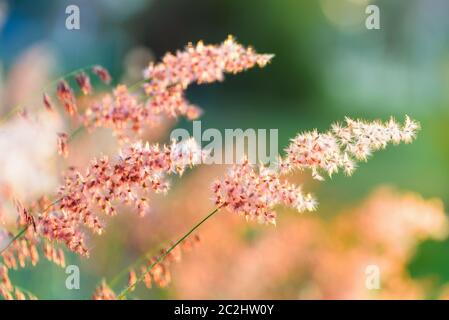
x: 17, y: 236
x: 77, y: 131
x: 81, y: 128
x: 123, y: 294
x: 25, y: 228
x: 14, y: 110
x: 125, y: 270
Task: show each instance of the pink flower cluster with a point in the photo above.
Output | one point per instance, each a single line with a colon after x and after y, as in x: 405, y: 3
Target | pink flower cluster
x: 83, y: 82
x: 67, y: 98
x: 167, y: 82
x: 7, y: 290
x: 5, y: 284
x: 104, y: 292
x: 201, y: 64
x: 119, y: 111
x: 196, y: 64
x: 63, y: 142
x: 102, y: 73
x: 126, y: 114
x: 343, y: 145
x: 138, y: 169
x: 22, y: 250
x: 25, y: 249
x: 160, y: 274
x: 66, y: 95
x: 254, y: 194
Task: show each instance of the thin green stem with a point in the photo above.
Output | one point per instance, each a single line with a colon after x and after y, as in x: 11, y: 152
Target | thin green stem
x: 25, y: 228
x: 122, y: 272
x: 17, y: 236
x: 75, y: 133
x: 48, y: 85
x: 51, y: 205
x: 123, y: 294
x: 125, y: 270
x: 136, y: 85
x: 71, y: 73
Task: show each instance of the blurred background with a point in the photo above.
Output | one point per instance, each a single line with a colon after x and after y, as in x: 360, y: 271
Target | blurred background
x: 328, y: 65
